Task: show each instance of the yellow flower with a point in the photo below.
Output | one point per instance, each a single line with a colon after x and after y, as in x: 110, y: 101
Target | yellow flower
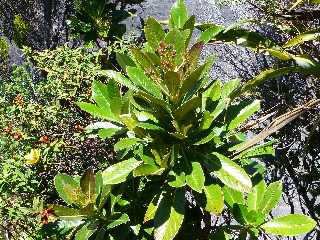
x: 33, y: 157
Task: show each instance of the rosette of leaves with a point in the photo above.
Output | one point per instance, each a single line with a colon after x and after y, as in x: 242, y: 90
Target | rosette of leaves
x: 251, y: 212
x: 177, y: 128
x: 93, y: 210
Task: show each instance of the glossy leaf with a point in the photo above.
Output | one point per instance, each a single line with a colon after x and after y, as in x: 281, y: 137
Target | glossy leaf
x: 214, y: 199
x: 67, y: 188
x: 154, y: 32
x: 196, y: 178
x: 271, y: 197
x: 85, y: 232
x: 94, y: 110
x: 169, y: 216
x: 230, y: 173
x: 210, y: 33
x: 301, y: 38
x: 232, y: 196
x: 117, y: 219
x: 124, y: 61
x: 69, y: 214
x: 88, y: 184
x: 290, y: 225
x: 179, y: 180
x: 244, y: 114
x: 260, y: 150
x: 147, y: 169
x: 126, y: 143
x: 118, y: 173
x: 107, y: 96
x: 179, y: 14
x: 152, y: 208
x: 255, y: 197
x: 139, y: 78
x: 118, y: 77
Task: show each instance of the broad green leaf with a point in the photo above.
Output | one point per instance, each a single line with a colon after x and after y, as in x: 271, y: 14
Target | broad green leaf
x: 107, y: 132
x: 96, y: 111
x: 257, y: 151
x: 154, y: 33
x: 85, y: 232
x: 67, y: 188
x: 139, y: 78
x: 172, y: 81
x: 263, y: 76
x: 68, y: 214
x: 124, y: 61
x: 191, y: 81
x: 192, y: 58
x: 244, y: 114
x: 126, y: 143
x: 255, y: 197
x: 143, y: 60
x: 152, y: 208
x: 301, y: 38
x: 118, y: 77
x: 118, y: 173
x: 229, y: 87
x: 215, y: 133
x: 169, y: 216
x: 290, y: 225
x: 187, y: 107
x: 210, y: 33
x: 240, y: 213
x: 179, y: 14
x: 232, y: 196
x: 147, y: 169
x: 190, y: 24
x: 107, y: 96
x: 117, y: 219
x: 208, y: 117
x: 214, y: 92
x: 196, y: 178
x: 230, y: 173
x: 271, y: 197
x: 215, y: 199
x: 88, y: 185
x: 282, y: 55
x: 178, y: 180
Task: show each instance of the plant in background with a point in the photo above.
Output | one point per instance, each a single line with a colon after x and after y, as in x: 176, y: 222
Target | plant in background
x: 180, y: 133
x: 88, y: 198
x: 42, y: 133
x: 95, y: 18
x: 20, y: 30
x: 4, y: 56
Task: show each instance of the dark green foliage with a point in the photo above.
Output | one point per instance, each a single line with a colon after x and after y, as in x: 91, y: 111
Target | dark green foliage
x: 99, y: 18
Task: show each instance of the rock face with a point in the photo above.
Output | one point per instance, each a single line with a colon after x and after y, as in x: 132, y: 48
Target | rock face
x: 47, y: 20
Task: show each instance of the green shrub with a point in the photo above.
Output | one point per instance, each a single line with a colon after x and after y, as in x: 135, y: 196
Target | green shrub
x: 21, y: 28
x: 42, y: 131
x: 181, y: 147
x: 4, y: 56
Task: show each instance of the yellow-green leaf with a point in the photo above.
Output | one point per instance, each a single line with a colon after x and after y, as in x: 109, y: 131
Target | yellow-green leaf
x: 215, y: 199
x: 290, y: 225
x: 118, y: 173
x: 196, y: 178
